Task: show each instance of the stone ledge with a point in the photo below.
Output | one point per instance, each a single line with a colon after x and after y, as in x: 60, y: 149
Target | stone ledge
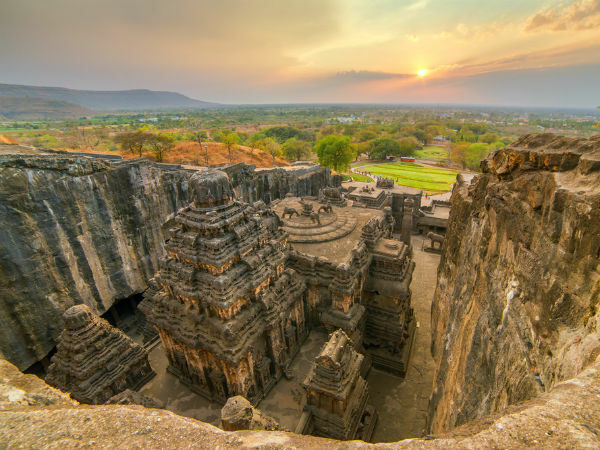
x: 567, y: 416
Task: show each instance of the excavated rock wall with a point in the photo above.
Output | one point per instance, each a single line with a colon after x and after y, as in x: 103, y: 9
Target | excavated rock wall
x: 85, y: 230
x: 75, y: 230
x: 271, y: 184
x: 516, y: 303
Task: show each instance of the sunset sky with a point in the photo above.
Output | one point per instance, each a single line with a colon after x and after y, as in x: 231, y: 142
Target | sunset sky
x: 509, y: 52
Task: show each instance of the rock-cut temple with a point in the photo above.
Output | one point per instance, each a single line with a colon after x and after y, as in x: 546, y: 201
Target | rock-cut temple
x: 230, y: 313
x: 241, y: 286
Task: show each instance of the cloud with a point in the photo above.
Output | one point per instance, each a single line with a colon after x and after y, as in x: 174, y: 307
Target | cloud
x: 469, y: 33
x: 420, y: 4
x: 413, y: 37
x: 577, y: 15
x: 367, y: 75
x: 577, y: 54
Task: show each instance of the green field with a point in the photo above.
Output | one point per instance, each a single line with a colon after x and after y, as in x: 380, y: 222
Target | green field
x: 358, y: 176
x: 430, y: 179
x: 430, y: 152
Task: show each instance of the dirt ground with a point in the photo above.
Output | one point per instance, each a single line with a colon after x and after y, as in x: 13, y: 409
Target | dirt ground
x: 401, y: 403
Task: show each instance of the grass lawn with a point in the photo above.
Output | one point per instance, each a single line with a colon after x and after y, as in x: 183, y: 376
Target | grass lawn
x: 358, y: 177
x: 429, y: 179
x: 430, y: 152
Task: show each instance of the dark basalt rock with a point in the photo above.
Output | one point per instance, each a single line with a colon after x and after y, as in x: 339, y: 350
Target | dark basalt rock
x: 94, y: 360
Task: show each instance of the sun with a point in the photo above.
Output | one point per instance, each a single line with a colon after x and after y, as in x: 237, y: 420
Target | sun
x: 422, y: 72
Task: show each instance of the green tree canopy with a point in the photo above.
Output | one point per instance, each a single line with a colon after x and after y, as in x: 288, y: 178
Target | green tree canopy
x: 365, y: 135
x: 488, y: 138
x: 383, y: 147
x: 408, y: 145
x: 295, y: 150
x: 271, y: 147
x: 458, y: 152
x: 160, y: 144
x: 283, y: 133
x: 134, y: 141
x: 476, y: 153
x: 231, y: 141
x: 335, y: 152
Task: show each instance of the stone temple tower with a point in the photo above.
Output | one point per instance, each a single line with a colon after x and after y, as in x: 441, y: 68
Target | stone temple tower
x: 337, y: 396
x: 94, y: 360
x: 228, y: 312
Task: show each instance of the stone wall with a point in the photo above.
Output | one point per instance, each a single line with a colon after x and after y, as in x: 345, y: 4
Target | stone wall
x: 516, y: 304
x: 84, y: 230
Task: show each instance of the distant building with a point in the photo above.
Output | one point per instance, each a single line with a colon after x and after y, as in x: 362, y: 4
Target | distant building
x: 440, y: 140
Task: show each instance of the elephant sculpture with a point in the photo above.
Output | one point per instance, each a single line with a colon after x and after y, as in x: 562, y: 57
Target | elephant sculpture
x: 290, y: 212
x: 435, y: 238
x: 326, y: 208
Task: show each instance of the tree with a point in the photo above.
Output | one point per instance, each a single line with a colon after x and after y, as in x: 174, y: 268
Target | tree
x: 200, y: 136
x: 160, y: 144
x: 408, y: 145
x: 365, y: 135
x: 134, y: 141
x: 283, y: 133
x: 458, y: 153
x: 271, y: 147
x: 488, y: 138
x: 230, y: 140
x: 254, y: 141
x: 335, y: 152
x: 476, y: 153
x: 383, y: 147
x: 326, y: 131
x: 295, y: 150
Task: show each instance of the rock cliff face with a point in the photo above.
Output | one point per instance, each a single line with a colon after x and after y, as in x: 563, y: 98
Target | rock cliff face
x: 271, y: 184
x: 83, y: 230
x: 516, y: 304
x: 75, y: 230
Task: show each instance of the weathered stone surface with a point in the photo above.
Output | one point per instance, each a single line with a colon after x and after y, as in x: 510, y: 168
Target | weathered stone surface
x: 18, y: 391
x: 566, y: 417
x: 358, y: 277
x: 129, y: 397
x: 516, y: 304
x: 88, y: 230
x: 230, y: 315
x: 239, y: 414
x: 336, y: 395
x: 95, y: 361
x: 75, y: 231
x: 267, y: 185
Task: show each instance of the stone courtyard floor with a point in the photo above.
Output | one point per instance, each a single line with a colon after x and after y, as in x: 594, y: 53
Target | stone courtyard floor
x: 401, y: 403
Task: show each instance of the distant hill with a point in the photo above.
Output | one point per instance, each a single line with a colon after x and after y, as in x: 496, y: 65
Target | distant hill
x: 136, y: 99
x: 27, y: 108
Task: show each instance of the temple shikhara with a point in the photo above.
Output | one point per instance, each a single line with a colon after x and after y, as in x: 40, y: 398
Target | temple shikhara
x: 95, y: 361
x: 337, y: 395
x: 230, y: 313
